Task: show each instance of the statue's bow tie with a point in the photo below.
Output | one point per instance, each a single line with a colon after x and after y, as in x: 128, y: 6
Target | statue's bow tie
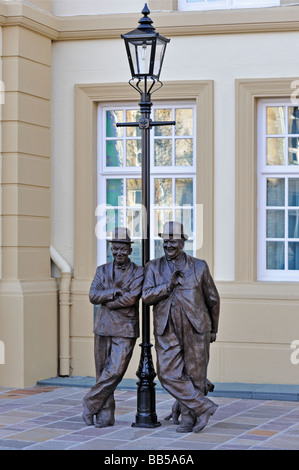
x: 121, y: 268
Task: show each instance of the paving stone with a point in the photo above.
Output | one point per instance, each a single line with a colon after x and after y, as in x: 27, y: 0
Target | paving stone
x: 37, y: 434
x: 14, y: 443
x: 98, y: 444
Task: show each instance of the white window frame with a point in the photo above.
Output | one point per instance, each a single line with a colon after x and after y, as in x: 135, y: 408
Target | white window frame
x: 271, y: 171
x: 105, y: 172
x: 184, y: 5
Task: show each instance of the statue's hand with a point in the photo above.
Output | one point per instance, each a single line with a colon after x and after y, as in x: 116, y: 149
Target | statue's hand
x: 213, y: 337
x: 118, y: 291
x: 174, y: 280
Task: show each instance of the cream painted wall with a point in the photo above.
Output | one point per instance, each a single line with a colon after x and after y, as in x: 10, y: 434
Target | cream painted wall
x: 221, y: 58
x: 1, y: 101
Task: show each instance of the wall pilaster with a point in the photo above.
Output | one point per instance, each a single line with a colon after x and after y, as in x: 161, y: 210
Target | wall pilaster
x: 28, y: 294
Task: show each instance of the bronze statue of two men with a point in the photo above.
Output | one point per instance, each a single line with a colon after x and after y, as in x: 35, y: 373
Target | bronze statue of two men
x: 185, y: 314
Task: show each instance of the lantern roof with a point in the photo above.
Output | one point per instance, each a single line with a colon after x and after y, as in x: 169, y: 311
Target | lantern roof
x: 145, y: 27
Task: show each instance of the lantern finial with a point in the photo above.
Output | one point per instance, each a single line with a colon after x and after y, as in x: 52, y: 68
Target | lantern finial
x: 145, y: 22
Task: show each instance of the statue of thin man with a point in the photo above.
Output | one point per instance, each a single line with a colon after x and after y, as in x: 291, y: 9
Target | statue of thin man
x: 116, y: 288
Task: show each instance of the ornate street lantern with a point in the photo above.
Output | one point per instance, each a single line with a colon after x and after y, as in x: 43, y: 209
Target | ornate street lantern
x: 145, y: 49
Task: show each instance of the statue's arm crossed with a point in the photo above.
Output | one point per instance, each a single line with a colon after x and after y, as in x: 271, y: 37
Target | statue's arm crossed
x: 131, y: 292
x: 97, y: 293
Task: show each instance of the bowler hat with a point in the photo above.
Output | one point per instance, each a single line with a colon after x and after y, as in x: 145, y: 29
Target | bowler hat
x: 174, y: 230
x: 121, y: 235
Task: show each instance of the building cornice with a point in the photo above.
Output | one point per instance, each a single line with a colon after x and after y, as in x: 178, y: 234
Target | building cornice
x: 170, y: 23
x: 22, y: 14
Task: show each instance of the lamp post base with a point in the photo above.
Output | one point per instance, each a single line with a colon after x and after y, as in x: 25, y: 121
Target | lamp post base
x: 146, y: 416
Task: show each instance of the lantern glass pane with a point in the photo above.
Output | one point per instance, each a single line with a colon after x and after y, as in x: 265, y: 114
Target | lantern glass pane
x: 141, y: 55
x: 144, y: 55
x: 160, y: 50
x: 133, y: 52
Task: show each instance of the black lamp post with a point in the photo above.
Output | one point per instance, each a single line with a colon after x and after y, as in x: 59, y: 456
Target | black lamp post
x: 145, y: 49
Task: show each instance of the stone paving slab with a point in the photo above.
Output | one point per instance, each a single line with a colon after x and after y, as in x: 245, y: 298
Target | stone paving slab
x: 50, y: 418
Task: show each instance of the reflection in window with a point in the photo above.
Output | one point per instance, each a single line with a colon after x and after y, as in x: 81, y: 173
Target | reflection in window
x: 174, y: 145
x: 275, y: 151
x: 275, y: 255
x: 275, y: 191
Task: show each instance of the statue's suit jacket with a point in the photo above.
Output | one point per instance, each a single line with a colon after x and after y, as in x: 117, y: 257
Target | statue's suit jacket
x: 117, y: 315
x: 197, y: 295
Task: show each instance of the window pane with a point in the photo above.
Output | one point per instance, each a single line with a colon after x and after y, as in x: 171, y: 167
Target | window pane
x: 114, y: 218
x: 184, y: 152
x: 114, y: 192
x: 159, y: 252
x: 134, y: 191
x: 183, y: 121
x: 163, y: 191
x: 275, y: 224
x: 163, y: 115
x: 293, y: 150
x: 294, y: 223
x: 134, y: 220
x: 112, y: 118
x: 109, y: 257
x: 275, y: 191
x: 189, y: 247
x: 183, y: 191
x: 136, y: 255
x: 293, y: 255
x: 134, y: 153
x: 276, y: 120
x: 114, y: 153
x: 275, y: 255
x: 294, y: 192
x: 133, y: 115
x: 163, y: 152
x: 293, y: 120
x: 275, y: 151
x: 161, y: 216
x: 185, y: 217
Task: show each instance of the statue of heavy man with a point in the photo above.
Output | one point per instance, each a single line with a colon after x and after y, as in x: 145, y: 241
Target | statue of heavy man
x: 116, y: 288
x: 186, y: 313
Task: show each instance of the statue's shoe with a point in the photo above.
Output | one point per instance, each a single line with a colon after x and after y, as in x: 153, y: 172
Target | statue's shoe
x: 187, y: 423
x: 87, y: 416
x: 103, y: 423
x: 203, y: 419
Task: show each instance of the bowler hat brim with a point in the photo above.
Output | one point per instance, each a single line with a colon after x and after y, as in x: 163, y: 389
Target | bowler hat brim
x: 115, y: 240
x: 176, y: 236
